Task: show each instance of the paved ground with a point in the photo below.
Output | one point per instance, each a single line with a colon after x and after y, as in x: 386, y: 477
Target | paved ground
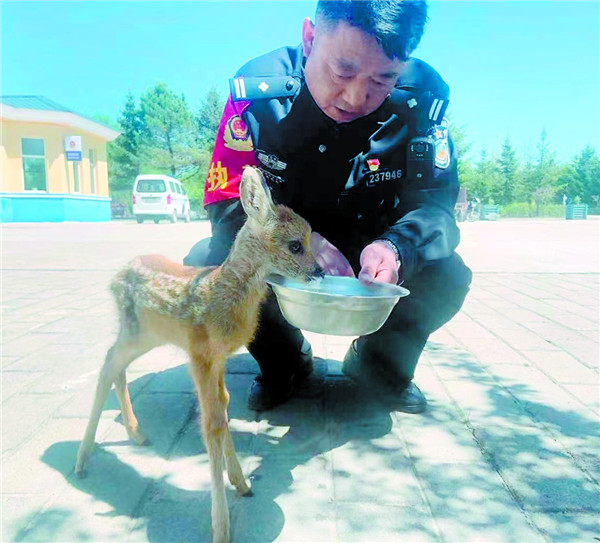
x: 507, y: 451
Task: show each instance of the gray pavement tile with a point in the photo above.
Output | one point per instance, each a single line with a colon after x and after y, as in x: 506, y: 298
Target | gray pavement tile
x: 496, y: 351
x: 523, y: 339
x: 565, y: 527
x: 587, y: 394
x: 293, y: 501
x: 6, y: 361
x: 29, y: 414
x: 562, y: 367
x: 51, y: 355
x: 470, y: 503
x: 593, y: 335
x: 470, y: 329
x: 162, y: 417
x: 586, y: 351
x: 24, y: 345
x: 77, y: 517
x: 552, y: 330
x: 14, y: 382
x: 18, y: 511
x: 576, y: 320
x: 242, y: 362
x: 177, y: 379
x: 538, y: 469
x: 376, y: 471
x: 12, y: 329
x: 371, y: 522
x: 296, y: 428
x: 83, y: 390
x: 98, y: 508
x: 157, y: 360
x: 242, y: 426
x: 238, y: 385
x: 49, y: 456
x: 439, y: 434
x: 185, y: 517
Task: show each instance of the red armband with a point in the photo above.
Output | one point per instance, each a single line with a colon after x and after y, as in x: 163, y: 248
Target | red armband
x: 233, y: 151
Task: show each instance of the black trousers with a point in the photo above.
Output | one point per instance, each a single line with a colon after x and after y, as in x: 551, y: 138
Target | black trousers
x: 436, y: 295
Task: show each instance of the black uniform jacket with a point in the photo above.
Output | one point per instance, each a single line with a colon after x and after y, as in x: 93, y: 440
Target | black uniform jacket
x: 353, y: 182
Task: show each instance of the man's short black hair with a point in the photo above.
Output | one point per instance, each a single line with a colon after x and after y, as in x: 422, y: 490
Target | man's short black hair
x: 397, y: 25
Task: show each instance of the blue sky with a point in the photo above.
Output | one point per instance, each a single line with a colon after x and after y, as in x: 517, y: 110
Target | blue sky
x: 513, y: 67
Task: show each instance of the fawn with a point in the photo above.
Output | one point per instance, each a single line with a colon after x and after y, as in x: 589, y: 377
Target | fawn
x: 209, y: 312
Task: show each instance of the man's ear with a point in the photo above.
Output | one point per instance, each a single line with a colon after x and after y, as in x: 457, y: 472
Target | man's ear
x: 308, y: 36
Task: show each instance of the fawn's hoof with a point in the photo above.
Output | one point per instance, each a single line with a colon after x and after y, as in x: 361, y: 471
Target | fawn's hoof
x: 80, y: 473
x: 248, y: 494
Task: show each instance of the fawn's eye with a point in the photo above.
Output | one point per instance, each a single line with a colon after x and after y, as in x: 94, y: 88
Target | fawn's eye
x: 296, y: 246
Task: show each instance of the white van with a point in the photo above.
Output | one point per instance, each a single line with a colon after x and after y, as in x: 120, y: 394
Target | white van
x: 159, y: 197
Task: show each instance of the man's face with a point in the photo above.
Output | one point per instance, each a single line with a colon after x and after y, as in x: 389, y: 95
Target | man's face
x: 347, y: 72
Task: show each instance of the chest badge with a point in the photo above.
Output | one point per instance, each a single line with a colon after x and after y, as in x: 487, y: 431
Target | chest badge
x: 373, y: 164
x: 236, y: 135
x: 271, y: 161
x: 439, y: 134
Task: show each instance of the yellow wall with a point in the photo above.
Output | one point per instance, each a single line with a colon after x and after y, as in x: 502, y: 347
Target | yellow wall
x: 59, y: 171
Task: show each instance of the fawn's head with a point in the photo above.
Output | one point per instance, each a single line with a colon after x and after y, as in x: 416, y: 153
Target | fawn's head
x: 283, y: 233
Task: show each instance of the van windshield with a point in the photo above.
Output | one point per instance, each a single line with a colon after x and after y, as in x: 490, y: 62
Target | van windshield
x: 151, y: 185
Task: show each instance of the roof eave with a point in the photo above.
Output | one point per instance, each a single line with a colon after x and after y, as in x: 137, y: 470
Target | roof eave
x: 62, y: 118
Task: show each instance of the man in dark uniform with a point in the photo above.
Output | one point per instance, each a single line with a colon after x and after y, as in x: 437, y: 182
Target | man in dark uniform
x: 349, y: 131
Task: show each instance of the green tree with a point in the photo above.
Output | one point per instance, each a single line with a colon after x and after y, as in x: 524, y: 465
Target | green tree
x: 209, y: 117
x: 546, y: 166
x: 124, y: 152
x: 584, y: 176
x: 508, y: 166
x: 542, y: 173
x: 483, y: 180
x: 169, y: 133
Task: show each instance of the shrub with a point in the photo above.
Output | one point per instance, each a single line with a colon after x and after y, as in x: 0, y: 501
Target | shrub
x: 524, y: 210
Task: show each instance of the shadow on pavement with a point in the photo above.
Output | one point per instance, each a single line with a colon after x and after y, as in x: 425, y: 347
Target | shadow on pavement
x: 512, y: 429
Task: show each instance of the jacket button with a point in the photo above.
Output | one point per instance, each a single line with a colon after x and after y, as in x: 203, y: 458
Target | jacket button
x: 289, y: 85
x: 322, y: 148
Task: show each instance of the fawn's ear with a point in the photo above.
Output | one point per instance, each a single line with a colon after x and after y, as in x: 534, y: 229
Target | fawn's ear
x: 255, y: 195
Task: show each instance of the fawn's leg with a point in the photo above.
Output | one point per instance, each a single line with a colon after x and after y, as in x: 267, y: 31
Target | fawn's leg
x: 234, y: 470
x: 207, y: 375
x: 118, y: 357
x: 129, y: 419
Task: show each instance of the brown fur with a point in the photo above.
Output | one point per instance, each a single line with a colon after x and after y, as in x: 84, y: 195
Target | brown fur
x: 208, y: 312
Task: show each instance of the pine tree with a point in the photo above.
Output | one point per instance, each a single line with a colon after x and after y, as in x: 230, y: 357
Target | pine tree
x: 169, y: 132
x: 509, y: 170
x: 124, y: 152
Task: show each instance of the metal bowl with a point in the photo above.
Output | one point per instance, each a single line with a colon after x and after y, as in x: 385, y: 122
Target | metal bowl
x: 339, y: 306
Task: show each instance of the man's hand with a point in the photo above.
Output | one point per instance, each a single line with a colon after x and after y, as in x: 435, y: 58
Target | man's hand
x: 378, y: 263
x: 329, y: 257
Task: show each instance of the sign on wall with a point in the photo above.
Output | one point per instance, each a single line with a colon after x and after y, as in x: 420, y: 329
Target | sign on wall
x: 73, y: 148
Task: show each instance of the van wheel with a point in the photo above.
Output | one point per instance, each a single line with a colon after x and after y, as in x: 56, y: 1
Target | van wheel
x: 139, y: 220
x: 156, y: 221
x: 173, y: 218
x: 186, y: 217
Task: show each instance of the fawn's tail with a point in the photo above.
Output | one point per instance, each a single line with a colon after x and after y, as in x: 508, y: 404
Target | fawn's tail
x: 124, y: 291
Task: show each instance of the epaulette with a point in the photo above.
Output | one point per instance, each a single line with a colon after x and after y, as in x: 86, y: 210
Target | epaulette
x: 421, y: 90
x: 267, y: 87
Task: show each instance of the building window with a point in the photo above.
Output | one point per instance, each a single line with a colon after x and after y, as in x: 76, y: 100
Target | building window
x: 92, y: 171
x: 34, y: 163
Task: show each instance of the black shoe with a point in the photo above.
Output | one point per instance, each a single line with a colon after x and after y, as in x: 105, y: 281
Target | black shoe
x: 264, y: 396
x: 405, y: 396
